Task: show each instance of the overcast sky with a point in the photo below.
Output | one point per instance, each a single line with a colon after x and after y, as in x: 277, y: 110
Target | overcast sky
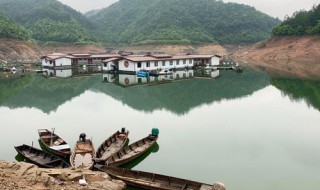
x: 275, y: 8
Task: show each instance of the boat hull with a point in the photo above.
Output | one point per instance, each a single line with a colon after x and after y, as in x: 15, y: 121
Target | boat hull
x: 110, y: 146
x: 40, y: 158
x: 133, y: 151
x: 83, y: 155
x: 49, y: 141
x: 152, y: 181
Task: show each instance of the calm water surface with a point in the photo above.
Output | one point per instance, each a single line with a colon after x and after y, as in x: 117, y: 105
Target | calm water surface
x: 249, y: 131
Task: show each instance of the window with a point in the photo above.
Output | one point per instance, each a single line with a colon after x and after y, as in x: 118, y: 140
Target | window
x: 190, y: 61
x: 171, y: 62
x: 184, y: 61
x: 178, y: 61
x: 156, y: 64
x: 164, y: 63
x: 148, y: 64
x: 139, y: 65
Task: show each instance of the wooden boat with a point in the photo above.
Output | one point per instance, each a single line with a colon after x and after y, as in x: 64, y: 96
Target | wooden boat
x: 40, y: 158
x: 83, y: 154
x: 111, y: 145
x: 152, y: 181
x: 54, y: 143
x: 129, y: 153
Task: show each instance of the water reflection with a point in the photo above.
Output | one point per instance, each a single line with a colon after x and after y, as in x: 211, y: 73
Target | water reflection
x: 126, y: 80
x: 71, y: 72
x: 178, y: 96
x: 138, y: 160
x: 227, y: 129
x: 298, y: 89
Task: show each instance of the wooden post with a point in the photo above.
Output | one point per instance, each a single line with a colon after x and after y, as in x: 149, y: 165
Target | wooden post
x: 52, y: 136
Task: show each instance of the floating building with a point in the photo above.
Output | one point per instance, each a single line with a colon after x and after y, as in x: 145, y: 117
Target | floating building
x: 130, y: 63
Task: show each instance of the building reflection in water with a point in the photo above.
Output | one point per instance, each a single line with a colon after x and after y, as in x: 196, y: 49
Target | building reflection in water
x: 131, y: 80
x: 72, y: 72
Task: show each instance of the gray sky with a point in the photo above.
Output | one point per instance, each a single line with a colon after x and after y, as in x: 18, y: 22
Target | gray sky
x: 275, y: 8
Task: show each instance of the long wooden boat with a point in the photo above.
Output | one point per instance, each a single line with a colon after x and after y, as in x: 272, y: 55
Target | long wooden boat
x: 83, y: 154
x: 152, y: 181
x: 40, y: 158
x: 111, y: 145
x: 129, y: 153
x: 53, y: 143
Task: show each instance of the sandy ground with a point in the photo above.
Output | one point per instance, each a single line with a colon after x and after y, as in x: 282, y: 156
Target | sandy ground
x: 25, y: 176
x: 296, y: 57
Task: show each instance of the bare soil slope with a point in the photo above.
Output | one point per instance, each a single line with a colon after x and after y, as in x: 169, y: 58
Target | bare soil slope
x: 24, y: 176
x: 24, y: 51
x: 286, y: 56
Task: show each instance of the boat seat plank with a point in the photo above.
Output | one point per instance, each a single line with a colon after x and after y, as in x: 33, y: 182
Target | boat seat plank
x: 205, y: 187
x: 47, y: 137
x: 184, y: 186
x: 60, y: 147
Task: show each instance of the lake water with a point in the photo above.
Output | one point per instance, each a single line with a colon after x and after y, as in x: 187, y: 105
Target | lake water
x: 247, y: 130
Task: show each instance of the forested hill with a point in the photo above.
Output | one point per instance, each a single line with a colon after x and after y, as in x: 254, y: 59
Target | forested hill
x: 49, y: 20
x: 301, y: 23
x: 9, y: 29
x: 187, y: 21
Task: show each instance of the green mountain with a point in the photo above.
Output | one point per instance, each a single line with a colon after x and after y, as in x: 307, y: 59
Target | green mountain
x: 301, y: 23
x: 49, y: 20
x: 182, y: 22
x: 9, y: 29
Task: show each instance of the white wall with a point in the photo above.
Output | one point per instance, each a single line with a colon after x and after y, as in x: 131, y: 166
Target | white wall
x: 64, y: 73
x: 131, y: 66
x: 215, y: 61
x: 168, y: 64
x: 46, y: 64
x: 63, y: 62
x: 59, y: 62
x: 215, y: 73
x: 183, y: 74
x: 107, y: 66
x: 108, y: 77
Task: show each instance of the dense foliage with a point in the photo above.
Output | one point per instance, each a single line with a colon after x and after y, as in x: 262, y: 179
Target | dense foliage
x: 301, y: 23
x: 49, y: 20
x: 9, y: 29
x: 142, y: 22
x: 182, y: 22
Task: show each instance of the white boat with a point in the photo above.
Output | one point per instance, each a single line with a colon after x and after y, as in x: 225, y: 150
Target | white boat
x: 165, y: 72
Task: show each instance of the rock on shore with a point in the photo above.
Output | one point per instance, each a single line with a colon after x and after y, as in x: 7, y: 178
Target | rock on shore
x: 27, y: 176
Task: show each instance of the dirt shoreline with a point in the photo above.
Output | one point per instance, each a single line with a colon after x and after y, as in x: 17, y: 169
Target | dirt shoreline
x: 289, y: 57
x: 296, y: 57
x: 25, y: 176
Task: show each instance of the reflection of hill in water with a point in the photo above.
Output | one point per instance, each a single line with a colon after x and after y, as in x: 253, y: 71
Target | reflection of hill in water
x: 300, y: 90
x: 181, y: 96
x: 178, y: 97
x: 40, y: 92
